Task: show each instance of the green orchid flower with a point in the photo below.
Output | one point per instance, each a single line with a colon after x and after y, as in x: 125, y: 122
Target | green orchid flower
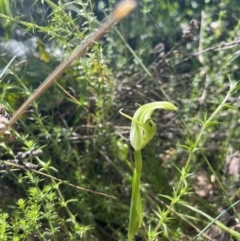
x: 142, y: 131
x: 143, y: 128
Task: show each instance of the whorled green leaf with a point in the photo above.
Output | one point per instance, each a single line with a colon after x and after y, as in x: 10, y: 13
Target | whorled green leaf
x: 212, y: 123
x: 229, y: 106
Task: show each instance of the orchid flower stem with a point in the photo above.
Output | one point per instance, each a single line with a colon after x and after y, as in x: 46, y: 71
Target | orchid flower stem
x: 142, y: 131
x: 135, y: 217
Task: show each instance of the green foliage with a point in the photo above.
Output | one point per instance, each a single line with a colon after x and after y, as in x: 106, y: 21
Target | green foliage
x: 27, y: 217
x: 76, y: 124
x: 6, y: 10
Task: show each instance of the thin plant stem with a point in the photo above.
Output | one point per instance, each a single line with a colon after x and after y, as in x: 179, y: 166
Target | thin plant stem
x: 59, y: 180
x: 210, y: 118
x: 135, y: 217
x: 181, y: 184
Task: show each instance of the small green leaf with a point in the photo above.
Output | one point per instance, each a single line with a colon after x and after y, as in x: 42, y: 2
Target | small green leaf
x: 3, y: 72
x: 166, y: 196
x: 229, y: 106
x: 197, y: 120
x: 212, y: 123
x: 184, y: 146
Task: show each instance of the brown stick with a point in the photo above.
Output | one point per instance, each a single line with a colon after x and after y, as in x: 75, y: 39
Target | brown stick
x: 121, y: 11
x: 59, y: 180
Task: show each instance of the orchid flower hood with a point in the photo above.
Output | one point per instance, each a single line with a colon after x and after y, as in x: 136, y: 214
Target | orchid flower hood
x: 143, y: 128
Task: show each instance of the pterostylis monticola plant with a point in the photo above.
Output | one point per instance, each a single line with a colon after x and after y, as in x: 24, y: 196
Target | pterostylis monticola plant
x: 142, y: 131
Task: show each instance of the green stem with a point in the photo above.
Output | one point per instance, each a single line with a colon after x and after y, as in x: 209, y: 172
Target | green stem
x: 135, y: 217
x: 138, y: 165
x: 211, y: 118
x: 181, y: 184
